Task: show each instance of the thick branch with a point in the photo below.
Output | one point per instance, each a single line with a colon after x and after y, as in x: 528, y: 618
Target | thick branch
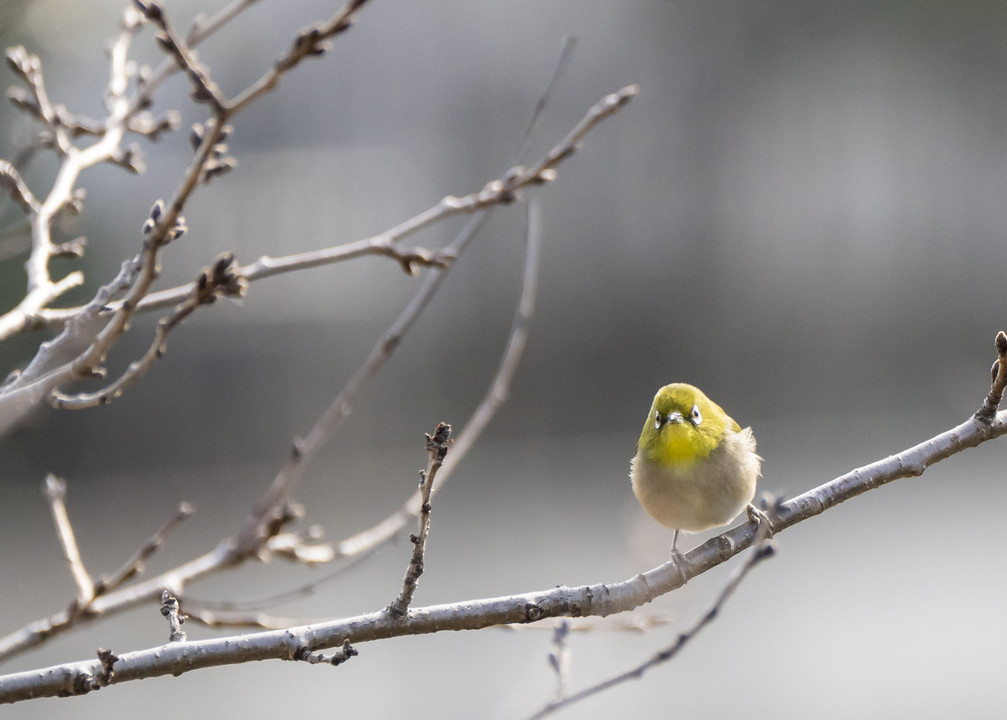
x: 762, y: 551
x: 601, y: 600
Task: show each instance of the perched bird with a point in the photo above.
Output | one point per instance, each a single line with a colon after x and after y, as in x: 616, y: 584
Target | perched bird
x: 695, y: 468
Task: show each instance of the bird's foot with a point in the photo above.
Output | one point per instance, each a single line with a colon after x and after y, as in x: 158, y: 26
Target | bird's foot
x: 679, y: 559
x: 765, y: 529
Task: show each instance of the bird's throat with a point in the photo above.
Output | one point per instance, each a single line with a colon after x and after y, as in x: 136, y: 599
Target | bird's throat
x: 678, y: 446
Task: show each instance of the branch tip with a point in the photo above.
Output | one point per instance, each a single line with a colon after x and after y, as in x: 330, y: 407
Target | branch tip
x: 998, y: 382
x: 171, y: 610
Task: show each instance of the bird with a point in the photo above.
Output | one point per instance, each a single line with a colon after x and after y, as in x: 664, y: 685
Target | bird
x: 695, y: 468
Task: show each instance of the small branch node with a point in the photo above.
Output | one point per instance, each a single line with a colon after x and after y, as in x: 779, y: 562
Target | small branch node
x: 71, y: 248
x: 344, y: 653
x: 108, y: 660
x: 170, y: 609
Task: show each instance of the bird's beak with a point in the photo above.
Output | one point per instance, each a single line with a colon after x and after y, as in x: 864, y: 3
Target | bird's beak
x: 673, y: 418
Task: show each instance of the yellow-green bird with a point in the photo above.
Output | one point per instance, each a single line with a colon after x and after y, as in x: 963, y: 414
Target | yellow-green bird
x: 695, y: 468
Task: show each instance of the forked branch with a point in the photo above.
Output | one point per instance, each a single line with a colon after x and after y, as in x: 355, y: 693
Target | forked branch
x: 599, y: 600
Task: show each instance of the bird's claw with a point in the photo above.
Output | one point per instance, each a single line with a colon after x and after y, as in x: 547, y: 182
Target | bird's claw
x: 765, y: 529
x: 679, y: 559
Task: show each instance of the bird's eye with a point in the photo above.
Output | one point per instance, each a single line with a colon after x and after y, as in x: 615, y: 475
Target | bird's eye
x: 697, y: 417
x: 658, y: 421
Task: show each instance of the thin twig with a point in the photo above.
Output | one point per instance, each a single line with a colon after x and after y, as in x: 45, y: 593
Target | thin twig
x: 566, y: 48
x: 305, y: 449
x: 362, y: 545
x: 16, y: 188
x: 221, y: 278
x: 385, y: 244
x: 55, y: 492
x: 204, y: 89
x: 310, y: 42
x: 628, y: 622
x: 600, y: 600
x: 201, y: 29
x: 254, y: 536
x: 437, y: 449
x: 762, y: 551
x: 499, y: 389
x: 36, y: 100
x: 234, y: 608
x: 559, y: 658
x: 216, y: 618
x: 42, y: 290
x: 135, y: 565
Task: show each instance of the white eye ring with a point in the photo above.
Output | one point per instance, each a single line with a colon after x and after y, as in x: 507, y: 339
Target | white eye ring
x: 658, y: 420
x: 697, y: 417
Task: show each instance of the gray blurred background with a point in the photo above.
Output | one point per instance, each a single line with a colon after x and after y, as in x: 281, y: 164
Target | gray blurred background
x: 802, y: 213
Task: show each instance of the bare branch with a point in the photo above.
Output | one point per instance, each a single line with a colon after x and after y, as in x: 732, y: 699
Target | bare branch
x: 362, y: 545
x: 55, y: 492
x: 385, y: 244
x: 600, y: 600
x: 220, y: 279
x: 36, y: 100
x: 41, y: 289
x: 498, y: 191
x: 204, y: 89
x: 37, y: 632
x: 165, y: 224
x: 499, y: 389
x: 216, y: 618
x: 567, y: 45
x: 310, y: 42
x: 559, y: 658
x: 256, y: 534
x: 761, y: 552
x: 203, y: 27
x: 437, y: 448
x: 16, y: 188
x: 136, y: 564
